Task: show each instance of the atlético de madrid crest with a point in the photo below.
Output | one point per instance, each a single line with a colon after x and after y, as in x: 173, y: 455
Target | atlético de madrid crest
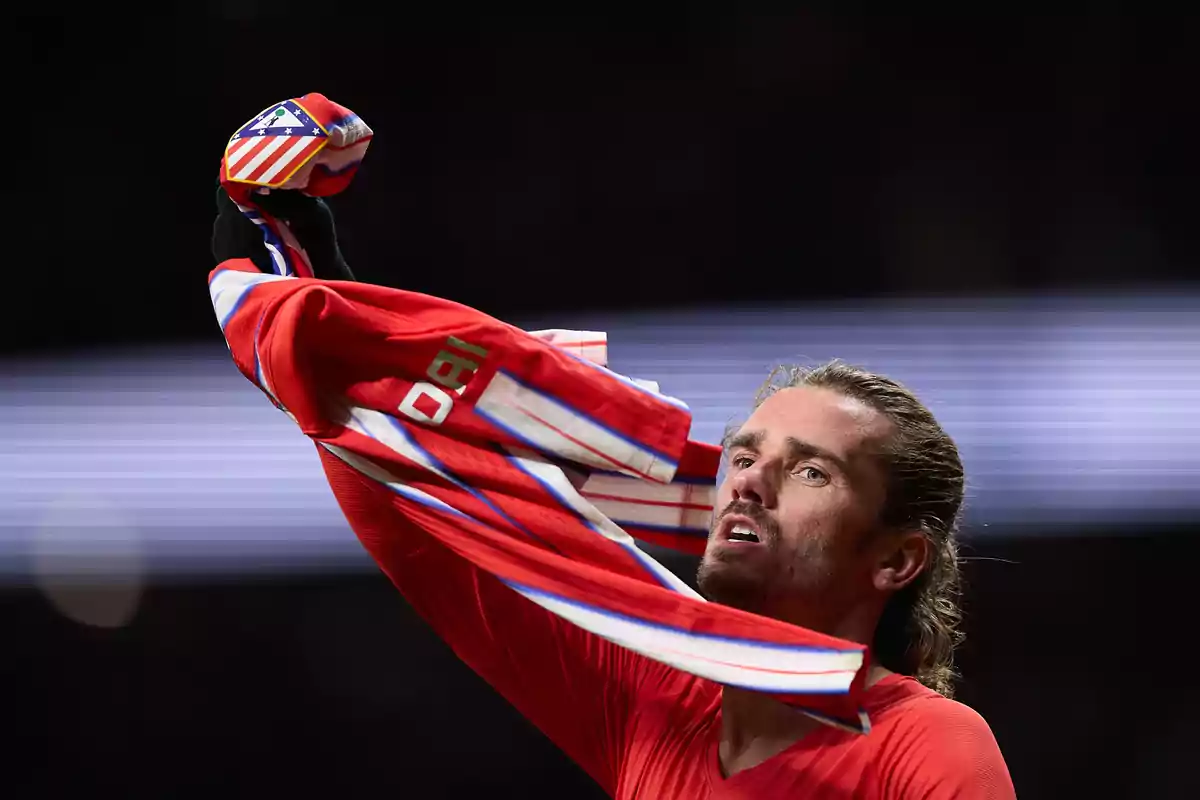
x: 270, y: 148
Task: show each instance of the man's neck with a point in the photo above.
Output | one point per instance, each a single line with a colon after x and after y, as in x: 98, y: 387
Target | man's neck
x: 755, y: 727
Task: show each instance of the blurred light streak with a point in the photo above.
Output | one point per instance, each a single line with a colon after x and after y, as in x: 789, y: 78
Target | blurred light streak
x: 1067, y: 411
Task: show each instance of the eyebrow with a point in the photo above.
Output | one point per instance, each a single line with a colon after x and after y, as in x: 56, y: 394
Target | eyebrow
x: 797, y: 448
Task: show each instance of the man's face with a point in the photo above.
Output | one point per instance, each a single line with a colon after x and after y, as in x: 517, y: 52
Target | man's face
x: 797, y: 508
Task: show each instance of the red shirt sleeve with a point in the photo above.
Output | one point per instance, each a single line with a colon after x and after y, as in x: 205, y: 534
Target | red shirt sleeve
x: 302, y: 341
x: 574, y: 686
x: 943, y: 750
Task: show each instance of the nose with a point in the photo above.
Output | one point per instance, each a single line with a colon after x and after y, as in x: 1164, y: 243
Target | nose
x: 754, y: 485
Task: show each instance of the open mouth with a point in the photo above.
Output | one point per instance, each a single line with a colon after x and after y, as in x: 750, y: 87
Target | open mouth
x: 743, y: 533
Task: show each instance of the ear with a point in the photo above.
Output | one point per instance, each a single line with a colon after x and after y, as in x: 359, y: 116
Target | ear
x: 903, y: 559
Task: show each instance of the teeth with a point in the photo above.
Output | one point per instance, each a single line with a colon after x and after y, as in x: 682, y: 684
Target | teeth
x: 743, y: 534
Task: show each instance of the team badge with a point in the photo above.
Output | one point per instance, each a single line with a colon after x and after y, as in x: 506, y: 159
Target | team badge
x: 270, y: 148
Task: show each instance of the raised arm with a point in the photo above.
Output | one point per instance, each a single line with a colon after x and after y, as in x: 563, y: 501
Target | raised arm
x: 574, y: 686
x: 448, y: 426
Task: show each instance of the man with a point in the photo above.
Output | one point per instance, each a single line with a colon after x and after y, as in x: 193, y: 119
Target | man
x: 835, y: 513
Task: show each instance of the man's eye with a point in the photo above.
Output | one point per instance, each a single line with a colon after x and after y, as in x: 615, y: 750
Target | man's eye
x: 743, y: 461
x: 812, y: 474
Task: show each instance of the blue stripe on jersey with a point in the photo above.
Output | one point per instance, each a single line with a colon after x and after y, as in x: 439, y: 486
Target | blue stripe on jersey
x: 659, y: 455
x: 328, y: 170
x: 789, y: 648
x: 401, y: 488
x: 461, y: 484
x: 685, y: 479
x: 633, y: 550
x: 630, y: 382
x: 241, y: 283
x: 272, y: 240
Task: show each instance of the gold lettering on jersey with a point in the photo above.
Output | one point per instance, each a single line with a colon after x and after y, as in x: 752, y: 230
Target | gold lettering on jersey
x: 428, y: 403
x: 454, y: 341
x: 458, y: 367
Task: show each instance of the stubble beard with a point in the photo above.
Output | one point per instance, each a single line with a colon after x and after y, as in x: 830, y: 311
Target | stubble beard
x: 772, y: 586
x: 729, y: 578
x: 730, y: 585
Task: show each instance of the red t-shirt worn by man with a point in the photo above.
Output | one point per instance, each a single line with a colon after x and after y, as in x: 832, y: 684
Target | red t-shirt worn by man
x: 642, y: 729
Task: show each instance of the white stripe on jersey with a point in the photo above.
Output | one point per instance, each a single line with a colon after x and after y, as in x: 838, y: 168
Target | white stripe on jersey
x: 286, y: 160
x: 635, y: 502
x: 238, y: 151
x: 589, y: 345
x: 229, y: 287
x: 289, y: 239
x: 560, y: 487
x: 259, y: 157
x: 765, y: 667
x: 377, y: 473
x: 650, y: 387
x: 552, y: 426
x: 283, y: 232
x: 677, y: 494
x: 592, y: 347
x: 385, y: 430
x: 653, y: 516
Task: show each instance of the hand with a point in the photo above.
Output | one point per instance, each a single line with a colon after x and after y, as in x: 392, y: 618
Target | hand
x: 309, y: 219
x: 235, y: 236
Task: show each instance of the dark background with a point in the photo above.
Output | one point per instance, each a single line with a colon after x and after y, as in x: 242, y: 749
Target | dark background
x: 671, y: 156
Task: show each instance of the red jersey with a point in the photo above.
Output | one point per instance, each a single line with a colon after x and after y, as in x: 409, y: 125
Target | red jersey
x: 643, y: 729
x: 483, y: 435
x: 457, y: 447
